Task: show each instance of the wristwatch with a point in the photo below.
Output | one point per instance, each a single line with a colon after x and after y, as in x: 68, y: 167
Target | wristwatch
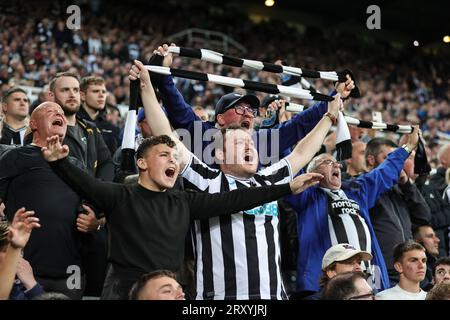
x: 331, y: 116
x: 405, y: 146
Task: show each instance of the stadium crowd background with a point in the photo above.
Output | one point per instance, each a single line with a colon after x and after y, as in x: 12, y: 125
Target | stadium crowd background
x: 406, y: 84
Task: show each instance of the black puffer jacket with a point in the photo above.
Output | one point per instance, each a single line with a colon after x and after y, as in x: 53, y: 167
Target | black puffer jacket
x: 92, y: 151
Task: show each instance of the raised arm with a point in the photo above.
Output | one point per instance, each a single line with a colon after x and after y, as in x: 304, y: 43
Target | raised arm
x: 387, y: 174
x: 298, y: 126
x: 155, y: 117
x: 103, y: 195
x: 305, y: 150
x: 204, y: 205
x: 179, y: 111
x: 19, y: 233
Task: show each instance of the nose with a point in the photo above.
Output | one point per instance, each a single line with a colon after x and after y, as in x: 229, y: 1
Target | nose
x: 422, y: 265
x: 172, y: 159
x: 337, y: 164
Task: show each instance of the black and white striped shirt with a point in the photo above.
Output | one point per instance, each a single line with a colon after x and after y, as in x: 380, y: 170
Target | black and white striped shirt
x: 238, y: 255
x: 348, y: 228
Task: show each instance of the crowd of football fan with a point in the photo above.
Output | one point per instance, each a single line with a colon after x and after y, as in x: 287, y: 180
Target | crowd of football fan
x: 368, y: 227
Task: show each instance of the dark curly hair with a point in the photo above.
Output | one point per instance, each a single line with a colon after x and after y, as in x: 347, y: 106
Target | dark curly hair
x: 148, y: 143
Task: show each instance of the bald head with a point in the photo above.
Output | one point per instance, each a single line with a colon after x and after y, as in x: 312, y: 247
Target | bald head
x: 46, y: 121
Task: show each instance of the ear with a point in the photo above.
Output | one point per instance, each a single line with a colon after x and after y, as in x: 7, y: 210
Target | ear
x: 51, y: 96
x: 398, y: 267
x: 220, y: 120
x: 331, y: 273
x: 33, y: 125
x: 142, y: 164
x: 220, y: 155
x: 370, y: 161
x: 82, y: 96
x: 4, y: 108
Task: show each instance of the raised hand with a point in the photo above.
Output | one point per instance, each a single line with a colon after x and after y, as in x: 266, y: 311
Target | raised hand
x: 413, y: 138
x: 304, y: 181
x: 345, y: 88
x: 164, y: 51
x: 138, y: 71
x: 20, y: 229
x: 277, y: 104
x: 54, y: 150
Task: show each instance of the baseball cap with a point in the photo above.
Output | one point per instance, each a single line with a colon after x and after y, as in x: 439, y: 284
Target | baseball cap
x: 229, y: 100
x: 341, y: 252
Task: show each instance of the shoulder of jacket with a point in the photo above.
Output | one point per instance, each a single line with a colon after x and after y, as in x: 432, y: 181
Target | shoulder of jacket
x: 89, y: 126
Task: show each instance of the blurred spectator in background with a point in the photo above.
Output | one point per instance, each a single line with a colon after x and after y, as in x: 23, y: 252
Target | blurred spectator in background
x: 348, y: 286
x: 157, y: 285
x: 426, y: 236
x: 441, y: 271
x: 15, y: 107
x: 93, y: 97
x: 410, y: 262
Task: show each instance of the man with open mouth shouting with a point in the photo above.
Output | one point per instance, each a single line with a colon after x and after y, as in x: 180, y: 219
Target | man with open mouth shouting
x: 238, y: 255
x: 336, y: 212
x: 148, y: 222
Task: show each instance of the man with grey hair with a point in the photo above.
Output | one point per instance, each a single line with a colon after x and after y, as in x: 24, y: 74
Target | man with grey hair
x: 337, y: 212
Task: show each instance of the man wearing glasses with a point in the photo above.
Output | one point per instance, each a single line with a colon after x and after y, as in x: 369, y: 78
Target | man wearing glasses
x: 338, y: 212
x: 238, y: 257
x: 270, y: 143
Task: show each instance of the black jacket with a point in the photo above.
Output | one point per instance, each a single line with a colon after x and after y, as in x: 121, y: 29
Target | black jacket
x: 110, y: 132
x: 92, y: 152
x: 393, y: 216
x: 437, y: 180
x: 426, y: 284
x: 440, y: 214
x: 10, y: 136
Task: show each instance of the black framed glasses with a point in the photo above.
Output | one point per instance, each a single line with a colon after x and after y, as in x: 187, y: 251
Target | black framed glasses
x: 240, y: 110
x: 367, y: 296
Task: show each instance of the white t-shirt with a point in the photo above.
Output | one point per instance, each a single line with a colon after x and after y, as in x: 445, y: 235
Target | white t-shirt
x: 397, y: 293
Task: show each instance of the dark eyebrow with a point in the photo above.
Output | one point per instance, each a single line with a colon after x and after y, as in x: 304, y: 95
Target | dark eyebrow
x: 166, y: 286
